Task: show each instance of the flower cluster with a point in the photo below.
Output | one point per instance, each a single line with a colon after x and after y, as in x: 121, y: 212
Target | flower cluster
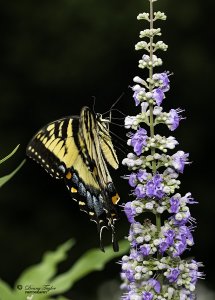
x: 154, y: 268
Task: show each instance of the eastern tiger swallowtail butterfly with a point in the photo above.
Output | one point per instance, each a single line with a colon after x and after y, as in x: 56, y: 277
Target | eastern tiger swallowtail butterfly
x: 76, y: 149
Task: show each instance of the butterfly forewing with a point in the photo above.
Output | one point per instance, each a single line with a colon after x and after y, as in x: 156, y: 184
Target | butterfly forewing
x: 76, y: 149
x: 54, y: 146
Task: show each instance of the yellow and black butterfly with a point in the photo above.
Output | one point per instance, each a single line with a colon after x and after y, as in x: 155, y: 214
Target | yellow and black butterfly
x: 76, y: 149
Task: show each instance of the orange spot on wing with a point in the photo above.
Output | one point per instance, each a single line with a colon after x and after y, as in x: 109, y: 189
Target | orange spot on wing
x: 115, y: 199
x: 73, y: 190
x: 69, y: 175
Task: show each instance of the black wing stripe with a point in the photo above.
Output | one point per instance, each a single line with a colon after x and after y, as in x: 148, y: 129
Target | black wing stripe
x: 70, y: 148
x: 106, y: 139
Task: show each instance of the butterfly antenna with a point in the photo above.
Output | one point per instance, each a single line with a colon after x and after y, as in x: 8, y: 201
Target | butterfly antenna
x: 116, y: 124
x: 112, y: 106
x: 119, y: 111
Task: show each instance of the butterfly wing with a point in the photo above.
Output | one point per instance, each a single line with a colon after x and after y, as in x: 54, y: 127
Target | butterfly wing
x: 57, y: 149
x: 54, y: 146
x: 106, y: 144
x: 95, y: 138
x: 70, y: 149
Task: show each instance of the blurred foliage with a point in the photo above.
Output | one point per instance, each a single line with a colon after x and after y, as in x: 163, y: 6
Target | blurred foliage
x: 6, y: 178
x: 55, y: 55
x: 41, y: 282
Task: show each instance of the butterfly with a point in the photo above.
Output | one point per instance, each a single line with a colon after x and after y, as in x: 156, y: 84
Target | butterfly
x: 77, y: 150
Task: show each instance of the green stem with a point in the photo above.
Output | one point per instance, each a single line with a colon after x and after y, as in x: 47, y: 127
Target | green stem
x: 151, y: 117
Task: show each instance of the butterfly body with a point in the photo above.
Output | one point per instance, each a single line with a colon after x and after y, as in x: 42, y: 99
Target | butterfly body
x: 76, y: 150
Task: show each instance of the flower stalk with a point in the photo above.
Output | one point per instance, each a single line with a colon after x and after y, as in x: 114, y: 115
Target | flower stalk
x: 154, y: 268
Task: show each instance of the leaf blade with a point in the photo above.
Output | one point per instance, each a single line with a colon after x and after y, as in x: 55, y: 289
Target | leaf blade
x: 9, y: 155
x: 6, y: 292
x: 5, y: 178
x: 42, y: 272
x: 92, y: 260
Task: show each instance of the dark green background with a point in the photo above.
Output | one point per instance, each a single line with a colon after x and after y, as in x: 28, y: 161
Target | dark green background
x: 55, y: 57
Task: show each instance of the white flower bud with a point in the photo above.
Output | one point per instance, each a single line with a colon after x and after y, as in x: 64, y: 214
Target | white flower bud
x: 143, y: 16
x: 136, y: 87
x: 131, y: 155
x: 138, y: 162
x: 156, y: 242
x: 139, y: 210
x: 139, y: 239
x: 160, y: 209
x: 192, y: 287
x: 137, y: 79
x: 157, y: 110
x: 149, y: 206
x: 138, y: 269
x: 179, y: 217
x: 159, y: 15
x: 147, y: 237
x: 129, y: 120
x: 137, y: 276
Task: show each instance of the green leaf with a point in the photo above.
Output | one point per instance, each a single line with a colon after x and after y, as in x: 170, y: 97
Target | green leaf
x: 40, y: 274
x: 9, y: 155
x: 6, y: 292
x: 92, y: 260
x: 5, y: 178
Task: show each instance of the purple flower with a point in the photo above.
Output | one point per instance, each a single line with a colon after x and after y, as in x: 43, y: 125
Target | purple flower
x: 135, y: 96
x: 153, y: 187
x: 138, y: 140
x: 145, y: 249
x: 130, y: 212
x: 154, y: 268
x: 173, y: 274
x: 157, y: 179
x: 169, y: 234
x: 138, y: 91
x: 132, y: 180
x: 179, y: 159
x: 174, y: 204
x: 179, y: 248
x: 134, y: 254
x: 188, y: 199
x: 140, y: 191
x: 174, y: 119
x: 158, y: 96
x: 142, y: 175
x: 150, y: 188
x: 155, y: 284
x: 159, y: 193
x: 164, y: 79
x: 185, y: 234
x: 194, y: 274
x: 129, y: 275
x: 181, y: 219
x: 147, y: 296
x: 163, y: 247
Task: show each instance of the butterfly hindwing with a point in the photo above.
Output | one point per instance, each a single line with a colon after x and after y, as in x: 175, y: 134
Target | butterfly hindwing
x: 93, y: 133
x: 76, y: 149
